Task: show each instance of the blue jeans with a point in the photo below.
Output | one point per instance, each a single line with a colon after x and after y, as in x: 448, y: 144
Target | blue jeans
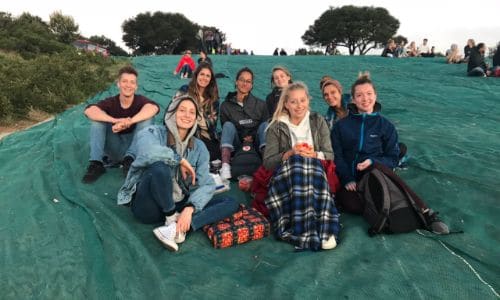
x: 103, y: 142
x: 230, y: 138
x: 153, y: 199
x: 186, y: 69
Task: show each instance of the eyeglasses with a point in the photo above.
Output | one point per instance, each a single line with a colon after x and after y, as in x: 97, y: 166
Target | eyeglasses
x: 245, y: 81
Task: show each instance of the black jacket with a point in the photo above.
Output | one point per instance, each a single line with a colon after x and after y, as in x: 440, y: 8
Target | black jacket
x: 246, y: 118
x: 272, y: 100
x: 476, y: 59
x: 496, y: 58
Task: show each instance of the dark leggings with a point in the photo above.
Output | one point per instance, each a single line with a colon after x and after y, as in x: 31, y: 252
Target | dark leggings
x: 153, y: 200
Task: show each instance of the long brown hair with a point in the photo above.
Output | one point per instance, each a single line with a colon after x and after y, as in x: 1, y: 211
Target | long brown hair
x: 211, y: 92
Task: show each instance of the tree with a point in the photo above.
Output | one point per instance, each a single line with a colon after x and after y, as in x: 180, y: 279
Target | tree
x: 28, y: 35
x: 110, y: 44
x: 362, y: 28
x: 160, y: 33
x: 64, y: 27
x: 399, y: 38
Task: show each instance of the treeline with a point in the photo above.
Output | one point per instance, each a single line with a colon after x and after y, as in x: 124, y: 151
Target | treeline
x: 41, y: 70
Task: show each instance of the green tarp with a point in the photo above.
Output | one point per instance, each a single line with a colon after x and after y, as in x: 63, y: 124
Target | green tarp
x: 61, y: 239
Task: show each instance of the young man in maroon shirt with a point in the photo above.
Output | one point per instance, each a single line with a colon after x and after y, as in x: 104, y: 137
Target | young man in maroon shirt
x: 114, y: 122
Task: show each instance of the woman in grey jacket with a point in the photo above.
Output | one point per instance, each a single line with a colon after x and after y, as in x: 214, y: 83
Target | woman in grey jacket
x: 169, y: 180
x: 301, y: 205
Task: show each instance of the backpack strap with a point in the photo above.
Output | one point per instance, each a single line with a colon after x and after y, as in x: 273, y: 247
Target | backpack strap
x: 376, y: 218
x: 386, y: 203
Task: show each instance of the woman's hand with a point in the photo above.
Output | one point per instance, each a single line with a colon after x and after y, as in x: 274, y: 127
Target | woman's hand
x: 287, y: 154
x: 351, y: 186
x: 184, y: 219
x: 305, y: 150
x: 364, y: 164
x: 186, y: 170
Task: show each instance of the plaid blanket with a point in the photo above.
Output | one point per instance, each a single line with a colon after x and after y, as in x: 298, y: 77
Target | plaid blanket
x: 301, y: 207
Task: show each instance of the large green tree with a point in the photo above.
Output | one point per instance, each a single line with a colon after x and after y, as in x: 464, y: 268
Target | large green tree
x: 110, y: 44
x: 159, y: 33
x: 64, y: 27
x: 28, y: 35
x: 361, y: 28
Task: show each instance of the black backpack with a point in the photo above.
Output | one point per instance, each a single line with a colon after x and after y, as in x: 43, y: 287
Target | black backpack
x: 245, y: 161
x: 389, y: 203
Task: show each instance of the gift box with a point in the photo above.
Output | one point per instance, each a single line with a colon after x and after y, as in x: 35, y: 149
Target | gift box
x: 247, y: 224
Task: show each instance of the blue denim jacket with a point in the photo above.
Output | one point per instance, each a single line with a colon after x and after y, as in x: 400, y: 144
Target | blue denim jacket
x: 151, y: 146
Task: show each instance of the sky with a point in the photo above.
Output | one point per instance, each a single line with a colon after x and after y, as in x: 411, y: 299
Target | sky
x: 263, y: 25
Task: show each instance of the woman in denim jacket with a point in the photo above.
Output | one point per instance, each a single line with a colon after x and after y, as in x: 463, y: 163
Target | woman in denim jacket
x: 169, y: 180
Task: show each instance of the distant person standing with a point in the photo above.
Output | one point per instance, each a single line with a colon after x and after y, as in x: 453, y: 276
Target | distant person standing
x: 476, y: 65
x: 114, y: 123
x: 186, y: 65
x: 423, y: 50
x: 204, y: 58
x: 471, y: 44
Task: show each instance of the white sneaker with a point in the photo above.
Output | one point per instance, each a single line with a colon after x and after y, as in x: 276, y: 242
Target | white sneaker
x: 330, y: 243
x: 225, y: 171
x: 166, y: 235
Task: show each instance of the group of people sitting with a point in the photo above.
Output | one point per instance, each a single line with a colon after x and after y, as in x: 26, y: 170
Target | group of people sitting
x: 392, y: 49
x: 474, y: 55
x: 167, y: 166
x: 476, y: 64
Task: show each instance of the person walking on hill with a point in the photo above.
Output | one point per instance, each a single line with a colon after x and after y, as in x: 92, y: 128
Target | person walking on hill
x: 114, y: 123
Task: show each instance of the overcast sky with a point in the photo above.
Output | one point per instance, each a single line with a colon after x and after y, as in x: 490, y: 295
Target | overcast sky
x: 262, y: 25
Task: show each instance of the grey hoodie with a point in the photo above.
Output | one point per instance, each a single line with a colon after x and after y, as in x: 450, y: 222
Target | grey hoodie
x: 180, y: 146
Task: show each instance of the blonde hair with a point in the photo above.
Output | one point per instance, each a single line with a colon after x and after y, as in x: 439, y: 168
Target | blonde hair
x: 280, y: 107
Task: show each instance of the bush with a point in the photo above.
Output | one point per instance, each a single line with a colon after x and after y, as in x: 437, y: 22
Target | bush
x: 51, y: 82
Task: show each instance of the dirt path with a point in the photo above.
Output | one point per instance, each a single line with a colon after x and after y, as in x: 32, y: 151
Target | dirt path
x: 34, y: 119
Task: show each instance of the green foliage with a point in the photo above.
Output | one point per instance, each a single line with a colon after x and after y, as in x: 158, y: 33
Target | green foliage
x: 304, y: 51
x: 64, y: 27
x: 51, y: 82
x: 399, y: 38
x: 361, y: 28
x: 28, y: 35
x: 160, y: 33
x: 114, y: 50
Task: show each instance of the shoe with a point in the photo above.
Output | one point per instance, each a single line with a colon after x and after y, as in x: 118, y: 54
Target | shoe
x: 94, y: 171
x: 127, y: 161
x: 329, y: 244
x: 434, y: 223
x: 225, y: 171
x: 180, y: 237
x: 166, y: 235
